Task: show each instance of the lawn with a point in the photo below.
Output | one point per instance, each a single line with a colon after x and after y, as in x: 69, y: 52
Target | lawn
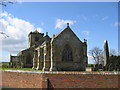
x: 30, y: 69
x: 17, y: 68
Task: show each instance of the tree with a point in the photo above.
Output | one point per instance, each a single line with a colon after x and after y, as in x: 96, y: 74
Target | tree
x: 115, y: 62
x: 4, y: 34
x: 4, y: 2
x: 97, y: 55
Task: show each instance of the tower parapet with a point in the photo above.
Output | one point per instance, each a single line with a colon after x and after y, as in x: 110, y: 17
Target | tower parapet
x: 35, y: 38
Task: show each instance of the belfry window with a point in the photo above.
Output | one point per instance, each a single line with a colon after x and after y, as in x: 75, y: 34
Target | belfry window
x: 36, y: 39
x: 67, y: 54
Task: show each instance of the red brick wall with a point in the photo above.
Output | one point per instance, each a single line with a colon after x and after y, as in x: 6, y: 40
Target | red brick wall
x: 59, y: 80
x: 21, y: 80
x: 82, y: 81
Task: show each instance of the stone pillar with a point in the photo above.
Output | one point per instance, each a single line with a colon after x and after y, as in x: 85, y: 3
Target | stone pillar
x: 35, y: 60
x: 20, y: 60
x: 40, y: 59
x: 22, y: 63
x: 106, y: 53
x: 46, y: 57
x: 53, y: 63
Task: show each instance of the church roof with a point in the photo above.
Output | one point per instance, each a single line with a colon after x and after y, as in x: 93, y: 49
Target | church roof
x: 67, y: 28
x: 62, y: 31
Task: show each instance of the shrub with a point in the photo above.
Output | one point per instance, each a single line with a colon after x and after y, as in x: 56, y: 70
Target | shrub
x: 100, y: 69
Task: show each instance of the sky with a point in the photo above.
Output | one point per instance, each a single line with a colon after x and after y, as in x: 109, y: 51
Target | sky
x: 95, y: 21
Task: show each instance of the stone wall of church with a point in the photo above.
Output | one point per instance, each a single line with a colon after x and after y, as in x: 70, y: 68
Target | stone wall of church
x: 26, y: 58
x: 14, y: 61
x: 35, y: 38
x: 47, y: 56
x: 63, y: 51
x: 68, y: 39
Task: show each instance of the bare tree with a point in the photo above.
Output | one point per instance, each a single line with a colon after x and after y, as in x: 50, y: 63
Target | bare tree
x: 4, y: 34
x: 4, y: 2
x: 97, y: 55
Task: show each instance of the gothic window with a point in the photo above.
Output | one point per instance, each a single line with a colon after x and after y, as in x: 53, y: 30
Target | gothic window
x: 67, y: 54
x: 36, y: 39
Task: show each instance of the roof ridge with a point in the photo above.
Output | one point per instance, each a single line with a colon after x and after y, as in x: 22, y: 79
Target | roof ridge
x: 61, y: 32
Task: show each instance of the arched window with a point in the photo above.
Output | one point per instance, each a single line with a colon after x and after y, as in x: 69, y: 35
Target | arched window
x: 67, y: 54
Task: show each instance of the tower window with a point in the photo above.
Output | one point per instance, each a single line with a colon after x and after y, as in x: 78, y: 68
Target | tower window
x: 36, y: 38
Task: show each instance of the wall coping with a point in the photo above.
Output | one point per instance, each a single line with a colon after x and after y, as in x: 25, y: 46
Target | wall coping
x: 61, y: 72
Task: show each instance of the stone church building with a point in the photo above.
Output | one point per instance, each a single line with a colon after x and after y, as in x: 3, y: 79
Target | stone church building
x: 61, y: 52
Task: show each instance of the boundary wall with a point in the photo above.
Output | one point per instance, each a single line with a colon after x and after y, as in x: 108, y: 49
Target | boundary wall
x: 38, y: 79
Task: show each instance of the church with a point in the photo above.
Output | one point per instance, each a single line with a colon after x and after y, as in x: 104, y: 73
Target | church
x: 61, y: 52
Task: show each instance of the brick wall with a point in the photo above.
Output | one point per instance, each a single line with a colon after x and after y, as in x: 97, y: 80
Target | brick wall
x: 59, y: 79
x: 82, y: 81
x: 21, y: 80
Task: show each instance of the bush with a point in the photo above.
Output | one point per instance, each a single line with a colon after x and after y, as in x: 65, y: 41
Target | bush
x: 100, y: 69
x: 4, y: 66
x: 90, y: 65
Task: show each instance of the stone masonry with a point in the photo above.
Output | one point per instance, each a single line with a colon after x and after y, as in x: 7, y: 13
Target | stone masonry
x: 61, y: 52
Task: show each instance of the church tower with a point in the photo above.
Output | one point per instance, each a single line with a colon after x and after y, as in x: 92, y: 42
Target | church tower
x: 35, y: 38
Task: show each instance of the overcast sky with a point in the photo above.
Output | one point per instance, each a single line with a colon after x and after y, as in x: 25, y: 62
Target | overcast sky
x: 95, y: 21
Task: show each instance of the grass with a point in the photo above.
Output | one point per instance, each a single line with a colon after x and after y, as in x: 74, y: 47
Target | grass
x: 30, y: 69
x: 108, y: 71
x: 25, y: 69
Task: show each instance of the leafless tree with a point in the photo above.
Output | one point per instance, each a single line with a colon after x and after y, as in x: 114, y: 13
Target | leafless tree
x: 97, y: 55
x: 4, y: 34
x: 4, y: 2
